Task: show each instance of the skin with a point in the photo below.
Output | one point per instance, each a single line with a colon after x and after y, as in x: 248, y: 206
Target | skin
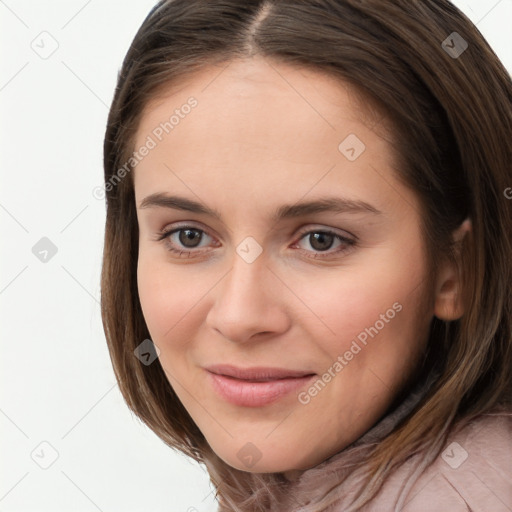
x: 265, y: 134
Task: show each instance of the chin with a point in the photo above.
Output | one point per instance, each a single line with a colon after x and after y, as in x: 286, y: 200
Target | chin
x: 250, y: 459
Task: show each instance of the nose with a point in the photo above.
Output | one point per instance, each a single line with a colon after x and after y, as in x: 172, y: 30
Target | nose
x: 249, y: 301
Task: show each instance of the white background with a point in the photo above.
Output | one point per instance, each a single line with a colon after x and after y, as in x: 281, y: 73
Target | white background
x: 57, y: 383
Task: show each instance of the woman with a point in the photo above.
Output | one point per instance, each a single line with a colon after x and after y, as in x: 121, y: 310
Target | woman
x: 306, y: 275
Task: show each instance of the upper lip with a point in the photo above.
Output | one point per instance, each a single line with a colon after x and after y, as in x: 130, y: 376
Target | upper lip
x: 256, y: 373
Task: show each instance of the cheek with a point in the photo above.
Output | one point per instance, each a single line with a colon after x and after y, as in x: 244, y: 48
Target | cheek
x: 173, y: 304
x: 173, y: 299
x: 342, y: 306
x: 370, y: 317
x: 384, y: 336
x: 379, y: 335
x: 163, y: 297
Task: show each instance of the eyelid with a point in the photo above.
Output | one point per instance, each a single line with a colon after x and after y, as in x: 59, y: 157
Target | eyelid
x: 182, y: 224
x: 335, y: 231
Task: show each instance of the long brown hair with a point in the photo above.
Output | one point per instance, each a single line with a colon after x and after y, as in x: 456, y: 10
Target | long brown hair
x: 452, y: 119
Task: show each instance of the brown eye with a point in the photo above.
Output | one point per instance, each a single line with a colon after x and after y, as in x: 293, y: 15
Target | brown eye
x: 189, y: 237
x: 186, y: 241
x: 321, y: 241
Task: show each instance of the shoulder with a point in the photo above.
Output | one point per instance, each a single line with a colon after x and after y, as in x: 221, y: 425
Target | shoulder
x: 473, y: 472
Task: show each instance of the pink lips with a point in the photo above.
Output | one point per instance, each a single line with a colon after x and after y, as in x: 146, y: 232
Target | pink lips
x: 255, y: 387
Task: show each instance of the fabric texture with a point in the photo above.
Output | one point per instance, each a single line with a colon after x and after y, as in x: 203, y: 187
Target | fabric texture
x: 473, y: 472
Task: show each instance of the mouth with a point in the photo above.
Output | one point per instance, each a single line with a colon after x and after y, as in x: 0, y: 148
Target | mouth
x: 255, y: 387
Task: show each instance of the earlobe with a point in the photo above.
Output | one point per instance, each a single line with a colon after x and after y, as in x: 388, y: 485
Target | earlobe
x: 448, y: 304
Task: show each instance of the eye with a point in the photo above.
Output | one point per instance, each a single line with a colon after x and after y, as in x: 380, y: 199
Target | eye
x: 323, y: 240
x: 184, y: 241
x: 181, y: 240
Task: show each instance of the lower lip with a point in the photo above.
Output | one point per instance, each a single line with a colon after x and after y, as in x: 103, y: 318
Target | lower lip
x: 256, y: 394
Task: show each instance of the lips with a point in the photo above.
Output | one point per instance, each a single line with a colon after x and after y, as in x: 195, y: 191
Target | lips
x: 257, y: 386
x: 256, y: 374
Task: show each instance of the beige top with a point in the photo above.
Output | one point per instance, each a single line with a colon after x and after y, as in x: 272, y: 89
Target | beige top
x: 472, y: 474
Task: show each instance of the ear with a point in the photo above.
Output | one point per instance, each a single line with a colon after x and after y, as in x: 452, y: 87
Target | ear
x: 448, y: 303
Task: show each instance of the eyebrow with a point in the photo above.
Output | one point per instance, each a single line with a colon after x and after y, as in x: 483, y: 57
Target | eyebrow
x: 325, y: 204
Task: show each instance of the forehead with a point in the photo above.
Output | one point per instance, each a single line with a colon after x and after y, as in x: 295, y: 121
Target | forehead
x: 265, y: 125
x: 239, y: 83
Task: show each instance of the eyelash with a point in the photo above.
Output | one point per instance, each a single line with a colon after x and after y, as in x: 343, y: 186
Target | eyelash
x: 163, y: 236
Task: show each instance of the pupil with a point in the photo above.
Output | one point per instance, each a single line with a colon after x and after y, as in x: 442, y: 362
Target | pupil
x: 188, y: 236
x: 321, y: 241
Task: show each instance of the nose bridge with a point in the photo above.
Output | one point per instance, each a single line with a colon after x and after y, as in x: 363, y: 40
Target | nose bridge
x: 244, y: 278
x: 244, y: 303
x: 244, y: 291
x: 248, y: 270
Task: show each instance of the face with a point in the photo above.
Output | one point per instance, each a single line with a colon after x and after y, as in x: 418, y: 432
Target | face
x: 281, y: 268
